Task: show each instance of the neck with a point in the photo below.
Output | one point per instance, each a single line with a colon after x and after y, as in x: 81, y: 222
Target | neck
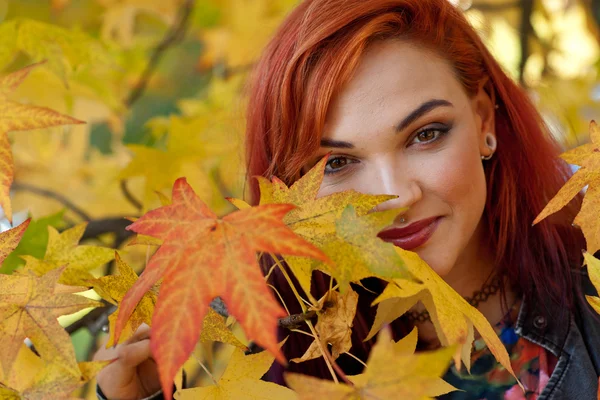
x: 474, y: 268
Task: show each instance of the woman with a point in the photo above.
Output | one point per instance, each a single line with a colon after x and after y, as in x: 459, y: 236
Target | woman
x: 410, y: 102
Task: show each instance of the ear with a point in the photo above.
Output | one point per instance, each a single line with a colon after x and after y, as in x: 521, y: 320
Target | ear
x: 484, y: 107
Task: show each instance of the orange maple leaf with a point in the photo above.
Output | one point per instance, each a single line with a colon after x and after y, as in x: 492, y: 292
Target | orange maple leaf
x: 20, y: 117
x: 203, y: 257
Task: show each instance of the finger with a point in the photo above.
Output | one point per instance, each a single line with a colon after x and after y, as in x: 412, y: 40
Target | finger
x: 142, y: 332
x: 103, y: 352
x: 133, y: 354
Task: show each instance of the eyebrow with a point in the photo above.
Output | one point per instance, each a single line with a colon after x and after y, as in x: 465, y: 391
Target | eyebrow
x: 409, y: 119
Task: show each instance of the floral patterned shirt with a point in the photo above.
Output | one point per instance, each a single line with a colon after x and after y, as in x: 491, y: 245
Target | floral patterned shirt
x: 489, y: 380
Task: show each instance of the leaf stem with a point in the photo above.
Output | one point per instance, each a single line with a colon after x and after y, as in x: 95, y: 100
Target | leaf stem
x: 289, y: 281
x: 206, y: 370
x: 356, y: 358
x: 280, y: 298
x: 309, y: 323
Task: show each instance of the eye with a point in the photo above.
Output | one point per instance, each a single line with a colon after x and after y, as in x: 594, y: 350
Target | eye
x: 429, y: 135
x: 335, y: 164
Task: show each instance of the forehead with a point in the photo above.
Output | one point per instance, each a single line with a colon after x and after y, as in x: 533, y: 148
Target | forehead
x: 393, y: 78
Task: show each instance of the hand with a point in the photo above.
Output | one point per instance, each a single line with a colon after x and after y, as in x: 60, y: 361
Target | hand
x: 134, y: 375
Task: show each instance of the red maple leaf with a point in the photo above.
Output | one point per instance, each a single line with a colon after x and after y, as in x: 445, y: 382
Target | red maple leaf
x: 203, y: 257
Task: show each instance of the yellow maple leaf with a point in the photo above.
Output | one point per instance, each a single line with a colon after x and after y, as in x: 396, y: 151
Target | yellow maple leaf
x: 19, y: 117
x: 452, y: 316
x: 63, y: 250
x: 192, y: 150
x: 29, y: 306
x: 245, y: 29
x: 64, y: 49
x: 10, y: 239
x: 120, y: 16
x: 112, y: 288
x: 593, y: 266
x: 214, y: 329
x: 241, y: 380
x: 358, y: 253
x: 32, y: 378
x: 394, y: 371
x: 588, y: 158
x: 334, y: 325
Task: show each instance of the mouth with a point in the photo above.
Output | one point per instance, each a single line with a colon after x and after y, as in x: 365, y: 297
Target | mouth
x: 413, y: 235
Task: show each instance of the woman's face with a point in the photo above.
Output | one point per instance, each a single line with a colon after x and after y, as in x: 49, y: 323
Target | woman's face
x: 404, y: 125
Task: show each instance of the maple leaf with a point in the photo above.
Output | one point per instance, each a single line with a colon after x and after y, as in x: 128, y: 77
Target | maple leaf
x: 241, y: 380
x: 334, y: 325
x: 9, y: 240
x: 245, y: 29
x: 63, y: 49
x: 120, y: 16
x: 593, y: 266
x: 32, y: 378
x: 203, y: 257
x: 358, y: 253
x: 19, y: 117
x: 33, y: 242
x: 29, y: 306
x: 588, y: 158
x: 191, y: 150
x: 393, y: 371
x: 63, y: 249
x: 326, y: 223
x: 452, y: 316
x: 214, y: 329
x: 112, y: 288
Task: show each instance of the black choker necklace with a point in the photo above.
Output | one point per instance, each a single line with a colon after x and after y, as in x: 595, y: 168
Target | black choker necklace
x: 479, y: 296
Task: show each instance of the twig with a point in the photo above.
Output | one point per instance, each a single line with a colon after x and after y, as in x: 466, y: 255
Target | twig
x: 53, y: 195
x: 336, y: 367
x: 295, y: 320
x: 125, y: 190
x: 174, y: 35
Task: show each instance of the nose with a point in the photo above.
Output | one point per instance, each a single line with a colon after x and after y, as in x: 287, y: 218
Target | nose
x: 393, y: 178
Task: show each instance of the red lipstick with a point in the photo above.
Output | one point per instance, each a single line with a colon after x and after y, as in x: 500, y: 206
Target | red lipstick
x: 413, y: 235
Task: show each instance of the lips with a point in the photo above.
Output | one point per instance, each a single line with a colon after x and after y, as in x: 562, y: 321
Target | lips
x: 413, y: 235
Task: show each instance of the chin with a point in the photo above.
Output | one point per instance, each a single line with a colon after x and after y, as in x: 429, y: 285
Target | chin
x: 437, y: 259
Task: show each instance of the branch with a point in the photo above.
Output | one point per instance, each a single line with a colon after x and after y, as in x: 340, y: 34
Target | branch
x: 114, y: 225
x: 98, y: 317
x: 525, y: 31
x: 173, y: 35
x: 94, y: 320
x: 53, y: 195
x: 130, y: 197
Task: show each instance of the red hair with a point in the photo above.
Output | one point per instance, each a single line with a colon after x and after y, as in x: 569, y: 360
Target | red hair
x: 316, y: 50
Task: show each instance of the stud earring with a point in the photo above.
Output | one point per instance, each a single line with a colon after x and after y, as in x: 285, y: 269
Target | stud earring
x: 490, y: 142
x: 402, y: 220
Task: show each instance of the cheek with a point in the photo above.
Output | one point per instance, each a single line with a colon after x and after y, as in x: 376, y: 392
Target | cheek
x: 460, y: 181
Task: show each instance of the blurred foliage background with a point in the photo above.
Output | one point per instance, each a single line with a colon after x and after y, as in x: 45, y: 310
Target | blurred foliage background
x: 160, y: 84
